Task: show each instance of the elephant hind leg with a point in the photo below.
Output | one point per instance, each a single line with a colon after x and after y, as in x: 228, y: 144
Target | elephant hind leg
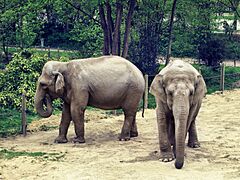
x: 133, y: 131
x: 129, y: 126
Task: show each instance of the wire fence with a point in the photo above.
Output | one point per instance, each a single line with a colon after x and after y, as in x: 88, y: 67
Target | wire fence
x: 214, y: 83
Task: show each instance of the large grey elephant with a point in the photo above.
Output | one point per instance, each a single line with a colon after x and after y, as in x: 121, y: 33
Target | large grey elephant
x: 178, y: 90
x: 107, y: 82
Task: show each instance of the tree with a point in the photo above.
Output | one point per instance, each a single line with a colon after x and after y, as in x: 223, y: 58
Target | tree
x: 168, y: 54
x: 111, y: 29
x: 146, y: 37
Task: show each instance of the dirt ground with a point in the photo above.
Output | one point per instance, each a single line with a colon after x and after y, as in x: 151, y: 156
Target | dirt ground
x: 103, y: 157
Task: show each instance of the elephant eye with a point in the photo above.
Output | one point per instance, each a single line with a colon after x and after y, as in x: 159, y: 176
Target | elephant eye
x: 170, y: 93
x: 44, y: 85
x: 191, y: 92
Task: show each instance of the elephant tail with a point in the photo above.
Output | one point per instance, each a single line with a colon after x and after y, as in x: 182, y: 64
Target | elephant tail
x: 143, y: 106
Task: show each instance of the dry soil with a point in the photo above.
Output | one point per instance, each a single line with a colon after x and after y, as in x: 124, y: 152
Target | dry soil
x: 103, y: 157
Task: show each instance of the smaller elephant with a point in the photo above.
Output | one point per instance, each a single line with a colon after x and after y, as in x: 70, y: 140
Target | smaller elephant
x: 178, y: 90
x: 107, y: 82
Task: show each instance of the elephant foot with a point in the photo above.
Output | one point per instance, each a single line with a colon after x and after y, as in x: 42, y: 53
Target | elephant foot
x: 124, y: 137
x: 60, y: 140
x: 194, y: 144
x: 133, y: 134
x: 79, y: 140
x: 166, y: 156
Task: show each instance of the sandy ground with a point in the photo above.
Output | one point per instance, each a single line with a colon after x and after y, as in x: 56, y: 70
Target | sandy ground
x: 103, y: 157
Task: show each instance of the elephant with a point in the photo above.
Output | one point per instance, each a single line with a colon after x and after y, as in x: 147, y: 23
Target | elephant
x: 178, y: 90
x: 106, y: 82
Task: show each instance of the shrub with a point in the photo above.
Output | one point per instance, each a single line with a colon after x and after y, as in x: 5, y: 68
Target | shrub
x: 19, y: 76
x: 211, y: 51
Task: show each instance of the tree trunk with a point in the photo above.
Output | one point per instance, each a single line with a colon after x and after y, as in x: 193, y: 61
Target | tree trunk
x: 109, y: 25
x: 106, y: 47
x: 170, y: 32
x: 128, y: 26
x: 117, y: 32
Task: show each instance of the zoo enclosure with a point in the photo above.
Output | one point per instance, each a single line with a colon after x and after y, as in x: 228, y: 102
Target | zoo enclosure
x: 222, y: 80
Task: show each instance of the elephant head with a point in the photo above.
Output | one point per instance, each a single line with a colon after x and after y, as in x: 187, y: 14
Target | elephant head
x: 179, y: 92
x: 50, y: 86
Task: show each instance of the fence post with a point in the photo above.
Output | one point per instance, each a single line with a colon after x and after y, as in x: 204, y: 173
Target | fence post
x: 222, y: 77
x: 24, y: 115
x: 58, y: 54
x: 49, y: 55
x: 146, y: 91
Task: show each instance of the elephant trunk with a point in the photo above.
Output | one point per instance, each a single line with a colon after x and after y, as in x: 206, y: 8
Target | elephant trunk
x: 180, y: 112
x: 42, y: 98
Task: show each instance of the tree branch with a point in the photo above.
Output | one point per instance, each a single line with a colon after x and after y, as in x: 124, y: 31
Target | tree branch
x: 117, y: 31
x: 128, y: 26
x: 105, y: 30
x: 77, y: 7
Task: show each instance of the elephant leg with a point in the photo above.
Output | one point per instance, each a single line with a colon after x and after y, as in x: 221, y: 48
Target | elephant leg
x: 65, y: 122
x: 134, y: 131
x: 192, y: 136
x: 193, y: 139
x: 171, y: 129
x: 127, y: 125
x: 77, y: 113
x: 166, y: 153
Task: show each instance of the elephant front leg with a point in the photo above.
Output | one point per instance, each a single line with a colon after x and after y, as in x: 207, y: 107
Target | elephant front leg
x: 166, y: 153
x: 63, y: 127
x: 193, y: 139
x: 78, y: 120
x: 192, y: 136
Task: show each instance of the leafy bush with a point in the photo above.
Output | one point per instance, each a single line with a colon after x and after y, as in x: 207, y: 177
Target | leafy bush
x: 232, y: 50
x: 19, y: 76
x: 211, y: 51
x: 183, y: 44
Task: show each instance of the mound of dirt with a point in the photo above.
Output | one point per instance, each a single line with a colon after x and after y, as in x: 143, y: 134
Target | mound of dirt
x: 104, y: 157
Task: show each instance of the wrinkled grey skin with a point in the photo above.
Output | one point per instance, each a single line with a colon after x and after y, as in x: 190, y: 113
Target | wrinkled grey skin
x: 178, y: 90
x: 107, y: 82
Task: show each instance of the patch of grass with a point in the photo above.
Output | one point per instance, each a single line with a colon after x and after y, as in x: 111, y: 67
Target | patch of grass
x: 10, y: 121
x: 47, y: 128
x: 9, y: 154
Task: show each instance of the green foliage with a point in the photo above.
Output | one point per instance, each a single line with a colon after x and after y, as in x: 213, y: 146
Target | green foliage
x: 19, y: 76
x: 211, y: 51
x: 183, y: 44
x: 89, y: 37
x: 10, y: 154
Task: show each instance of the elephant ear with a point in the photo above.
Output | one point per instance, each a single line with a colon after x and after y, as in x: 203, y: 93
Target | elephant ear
x: 200, y: 89
x: 59, y: 84
x: 157, y: 88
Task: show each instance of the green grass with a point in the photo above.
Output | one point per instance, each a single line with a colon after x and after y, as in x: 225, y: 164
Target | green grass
x: 10, y: 121
x: 9, y: 154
